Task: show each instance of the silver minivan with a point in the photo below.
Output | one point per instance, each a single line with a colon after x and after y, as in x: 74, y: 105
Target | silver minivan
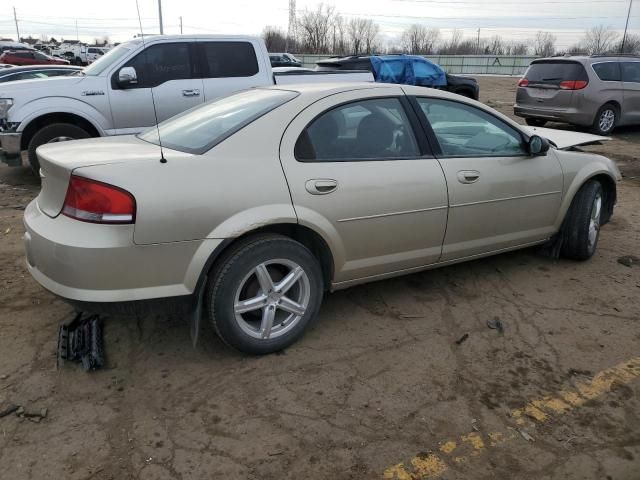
x: 601, y: 92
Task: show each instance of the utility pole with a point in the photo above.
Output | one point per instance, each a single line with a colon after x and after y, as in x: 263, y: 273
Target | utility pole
x: 160, y: 16
x: 15, y: 17
x: 478, y: 44
x: 180, y: 24
x: 626, y: 25
x: 291, y: 28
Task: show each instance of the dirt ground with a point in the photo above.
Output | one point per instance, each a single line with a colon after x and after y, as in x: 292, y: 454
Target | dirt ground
x: 379, y: 388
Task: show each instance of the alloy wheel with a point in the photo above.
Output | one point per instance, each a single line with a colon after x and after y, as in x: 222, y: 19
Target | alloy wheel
x: 594, y: 221
x: 607, y: 120
x: 272, y: 298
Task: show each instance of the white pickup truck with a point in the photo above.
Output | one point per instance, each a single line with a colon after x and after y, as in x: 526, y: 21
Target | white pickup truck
x: 116, y: 94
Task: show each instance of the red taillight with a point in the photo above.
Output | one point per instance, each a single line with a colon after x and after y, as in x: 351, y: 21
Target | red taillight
x: 97, y: 202
x: 523, y: 82
x: 573, y: 84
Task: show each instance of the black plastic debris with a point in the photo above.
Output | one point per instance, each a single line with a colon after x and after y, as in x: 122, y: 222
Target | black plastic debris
x: 81, y: 341
x: 462, y: 339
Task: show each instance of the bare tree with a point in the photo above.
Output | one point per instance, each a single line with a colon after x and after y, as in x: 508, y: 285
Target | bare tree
x: 631, y: 45
x: 314, y: 27
x: 544, y: 45
x: 599, y: 39
x: 420, y: 40
x: 356, y: 31
x: 371, y: 37
x: 452, y: 46
x: 495, y: 46
x: 339, y: 43
x: 517, y: 48
x: 274, y: 38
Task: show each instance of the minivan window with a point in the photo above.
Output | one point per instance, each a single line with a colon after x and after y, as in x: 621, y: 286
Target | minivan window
x: 607, y: 71
x: 552, y: 72
x: 229, y: 59
x: 631, y: 72
x: 201, y: 128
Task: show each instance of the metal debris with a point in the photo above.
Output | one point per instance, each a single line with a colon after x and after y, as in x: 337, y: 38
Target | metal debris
x: 496, y: 324
x: 526, y: 436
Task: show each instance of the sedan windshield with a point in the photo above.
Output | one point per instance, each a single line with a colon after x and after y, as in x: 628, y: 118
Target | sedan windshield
x: 203, y: 127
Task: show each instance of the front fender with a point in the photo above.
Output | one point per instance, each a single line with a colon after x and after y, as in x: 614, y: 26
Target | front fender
x: 37, y: 108
x: 587, y: 172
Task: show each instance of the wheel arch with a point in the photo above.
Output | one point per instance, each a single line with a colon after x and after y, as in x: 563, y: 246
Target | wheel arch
x: 609, y: 189
x: 45, y: 119
x: 300, y: 233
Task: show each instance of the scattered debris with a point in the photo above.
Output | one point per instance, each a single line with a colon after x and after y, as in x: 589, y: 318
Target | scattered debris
x: 19, y: 207
x: 474, y: 424
x: 410, y: 315
x: 462, y: 339
x: 81, y: 341
x: 628, y: 260
x: 7, y: 230
x: 496, y: 324
x: 4, y: 376
x: 526, y: 436
x: 9, y: 410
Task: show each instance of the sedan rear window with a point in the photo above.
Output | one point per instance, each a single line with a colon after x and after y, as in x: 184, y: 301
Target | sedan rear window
x: 201, y: 128
x: 552, y: 72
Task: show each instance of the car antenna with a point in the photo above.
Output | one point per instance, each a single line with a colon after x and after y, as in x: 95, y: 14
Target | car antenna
x: 153, y: 100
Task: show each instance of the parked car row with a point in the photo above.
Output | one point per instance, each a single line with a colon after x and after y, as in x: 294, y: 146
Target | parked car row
x: 30, y: 57
x: 32, y: 72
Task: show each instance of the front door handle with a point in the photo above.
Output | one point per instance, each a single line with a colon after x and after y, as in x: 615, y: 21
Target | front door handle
x: 321, y: 186
x: 193, y: 92
x: 468, y: 176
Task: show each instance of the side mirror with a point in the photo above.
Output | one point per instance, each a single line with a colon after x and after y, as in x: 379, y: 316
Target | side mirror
x: 127, y: 76
x: 538, y: 145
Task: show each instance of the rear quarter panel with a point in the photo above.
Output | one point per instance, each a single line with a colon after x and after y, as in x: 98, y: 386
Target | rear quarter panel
x: 235, y: 187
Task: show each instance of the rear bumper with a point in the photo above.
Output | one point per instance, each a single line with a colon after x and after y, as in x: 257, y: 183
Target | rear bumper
x: 565, y: 115
x: 87, y: 262
x: 10, y: 148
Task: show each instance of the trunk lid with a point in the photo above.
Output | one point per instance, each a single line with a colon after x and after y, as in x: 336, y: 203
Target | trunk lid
x: 544, y: 79
x: 59, y: 160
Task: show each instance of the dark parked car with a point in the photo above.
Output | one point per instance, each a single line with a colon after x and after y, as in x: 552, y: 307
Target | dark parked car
x: 36, y: 71
x: 284, y: 60
x: 414, y: 70
x: 30, y: 57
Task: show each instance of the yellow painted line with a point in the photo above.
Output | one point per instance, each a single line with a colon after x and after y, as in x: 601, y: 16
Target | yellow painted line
x: 460, y: 450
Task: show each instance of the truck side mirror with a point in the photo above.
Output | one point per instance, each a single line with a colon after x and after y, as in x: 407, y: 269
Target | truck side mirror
x: 127, y: 76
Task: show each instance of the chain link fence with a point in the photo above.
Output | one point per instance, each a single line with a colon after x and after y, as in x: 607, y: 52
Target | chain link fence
x: 461, y: 64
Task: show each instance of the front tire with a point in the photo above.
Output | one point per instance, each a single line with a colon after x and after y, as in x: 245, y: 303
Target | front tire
x: 581, y: 228
x: 56, y: 132
x: 264, y: 294
x: 606, y: 120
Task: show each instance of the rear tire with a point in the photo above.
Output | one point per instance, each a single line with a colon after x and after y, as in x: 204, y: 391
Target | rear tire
x: 535, y: 122
x: 581, y: 228
x: 606, y: 120
x: 56, y: 132
x: 245, y: 304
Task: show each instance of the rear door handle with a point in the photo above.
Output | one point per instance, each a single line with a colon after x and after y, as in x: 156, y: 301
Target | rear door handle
x: 468, y: 176
x: 193, y: 92
x: 320, y: 186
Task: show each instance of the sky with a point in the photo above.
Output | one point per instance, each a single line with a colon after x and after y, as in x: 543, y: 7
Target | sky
x: 516, y: 20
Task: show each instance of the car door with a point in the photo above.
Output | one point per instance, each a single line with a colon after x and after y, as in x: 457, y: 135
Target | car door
x: 358, y: 173
x: 166, y: 77
x: 499, y: 196
x: 228, y: 66
x: 631, y: 86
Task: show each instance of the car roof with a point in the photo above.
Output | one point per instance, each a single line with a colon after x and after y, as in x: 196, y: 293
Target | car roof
x: 27, y: 68
x: 587, y: 59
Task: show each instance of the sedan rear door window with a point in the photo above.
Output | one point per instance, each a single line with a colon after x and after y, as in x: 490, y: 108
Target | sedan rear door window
x: 465, y: 131
x: 375, y: 129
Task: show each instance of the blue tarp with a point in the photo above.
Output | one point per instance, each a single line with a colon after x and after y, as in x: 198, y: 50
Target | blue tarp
x: 407, y: 70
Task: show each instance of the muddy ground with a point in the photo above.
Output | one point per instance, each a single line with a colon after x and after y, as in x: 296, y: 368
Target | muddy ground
x: 379, y: 381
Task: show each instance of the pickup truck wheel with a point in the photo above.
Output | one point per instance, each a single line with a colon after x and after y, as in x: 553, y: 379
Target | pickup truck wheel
x: 581, y: 228
x: 264, y: 294
x: 56, y: 132
x: 535, y: 122
x: 606, y: 120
